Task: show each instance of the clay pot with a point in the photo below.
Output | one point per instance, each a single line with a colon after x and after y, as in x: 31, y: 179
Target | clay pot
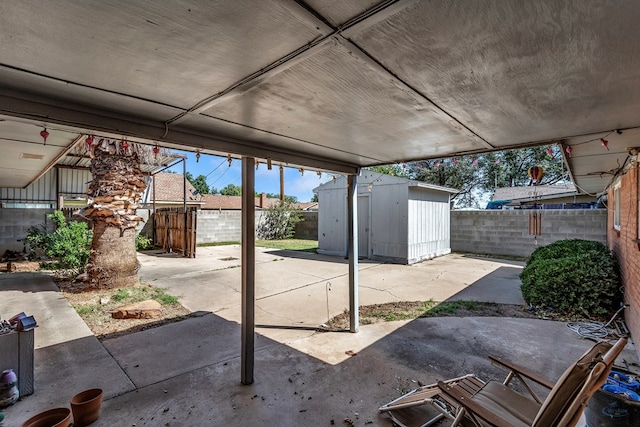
x: 86, y: 407
x: 58, y: 417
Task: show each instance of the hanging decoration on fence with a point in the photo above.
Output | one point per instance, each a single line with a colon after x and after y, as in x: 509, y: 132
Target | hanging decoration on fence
x: 535, y: 224
x: 535, y: 174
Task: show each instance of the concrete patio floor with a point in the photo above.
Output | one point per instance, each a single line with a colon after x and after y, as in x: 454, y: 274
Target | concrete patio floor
x: 188, y: 373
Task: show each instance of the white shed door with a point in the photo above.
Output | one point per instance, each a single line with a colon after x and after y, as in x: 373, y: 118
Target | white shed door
x: 363, y: 226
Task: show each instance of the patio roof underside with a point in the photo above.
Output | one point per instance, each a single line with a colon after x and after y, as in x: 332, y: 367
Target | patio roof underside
x: 332, y: 85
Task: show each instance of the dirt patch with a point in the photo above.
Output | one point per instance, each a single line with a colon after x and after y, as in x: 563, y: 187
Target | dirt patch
x: 407, y: 310
x: 95, y: 308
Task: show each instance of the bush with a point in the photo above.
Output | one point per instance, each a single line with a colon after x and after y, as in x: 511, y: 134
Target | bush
x: 279, y: 222
x: 573, y: 277
x: 563, y: 248
x: 68, y: 244
x: 143, y: 243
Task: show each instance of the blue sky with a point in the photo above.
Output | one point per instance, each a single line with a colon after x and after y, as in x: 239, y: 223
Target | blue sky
x: 219, y: 175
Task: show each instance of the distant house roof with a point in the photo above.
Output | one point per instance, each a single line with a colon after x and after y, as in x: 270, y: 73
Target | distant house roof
x: 218, y: 201
x: 531, y: 192
x: 169, y: 188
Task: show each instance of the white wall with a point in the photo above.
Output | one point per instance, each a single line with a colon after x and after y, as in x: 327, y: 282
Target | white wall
x: 332, y: 222
x: 429, y: 225
x: 389, y: 222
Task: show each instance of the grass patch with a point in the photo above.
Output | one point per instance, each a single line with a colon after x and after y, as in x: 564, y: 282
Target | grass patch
x: 407, y: 310
x: 217, y: 244
x: 95, y: 308
x: 290, y: 244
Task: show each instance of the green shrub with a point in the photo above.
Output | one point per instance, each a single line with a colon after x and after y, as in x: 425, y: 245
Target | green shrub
x: 279, y: 222
x: 143, y: 243
x: 68, y: 244
x: 574, y: 277
x: 563, y: 248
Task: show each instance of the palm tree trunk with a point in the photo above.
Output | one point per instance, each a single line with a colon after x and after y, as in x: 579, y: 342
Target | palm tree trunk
x: 115, y: 191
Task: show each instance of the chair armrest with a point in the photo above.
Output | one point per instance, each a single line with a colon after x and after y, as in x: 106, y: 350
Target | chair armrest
x: 464, y: 399
x: 521, y: 370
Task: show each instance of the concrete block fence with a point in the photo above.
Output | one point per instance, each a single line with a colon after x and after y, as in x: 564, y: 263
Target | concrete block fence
x: 505, y: 232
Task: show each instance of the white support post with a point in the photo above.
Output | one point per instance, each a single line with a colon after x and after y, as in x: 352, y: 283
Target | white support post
x: 352, y: 212
x: 248, y: 269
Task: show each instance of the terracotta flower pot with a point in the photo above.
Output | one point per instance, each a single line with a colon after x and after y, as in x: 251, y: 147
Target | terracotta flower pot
x: 86, y: 407
x: 58, y: 417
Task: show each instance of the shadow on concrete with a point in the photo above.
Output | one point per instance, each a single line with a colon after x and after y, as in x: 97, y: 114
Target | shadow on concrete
x: 497, y: 286
x: 188, y: 373
x: 27, y: 282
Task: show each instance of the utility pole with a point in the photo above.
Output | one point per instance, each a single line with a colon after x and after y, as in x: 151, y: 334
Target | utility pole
x: 281, y: 183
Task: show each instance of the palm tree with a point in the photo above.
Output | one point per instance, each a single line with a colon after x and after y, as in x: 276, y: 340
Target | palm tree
x: 114, y: 192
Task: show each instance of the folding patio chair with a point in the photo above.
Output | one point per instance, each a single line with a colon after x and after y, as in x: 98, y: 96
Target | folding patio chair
x: 469, y: 401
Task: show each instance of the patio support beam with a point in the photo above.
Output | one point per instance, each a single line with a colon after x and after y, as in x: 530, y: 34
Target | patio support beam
x: 352, y: 213
x: 248, y: 269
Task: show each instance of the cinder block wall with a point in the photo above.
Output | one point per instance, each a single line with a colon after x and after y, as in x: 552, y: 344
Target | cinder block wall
x: 505, y: 232
x: 219, y: 226
x: 14, y: 224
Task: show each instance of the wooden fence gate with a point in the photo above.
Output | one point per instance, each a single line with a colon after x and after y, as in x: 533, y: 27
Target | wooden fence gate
x: 175, y: 230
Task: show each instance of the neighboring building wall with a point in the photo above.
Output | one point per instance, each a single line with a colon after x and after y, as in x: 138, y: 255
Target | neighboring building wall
x: 625, y: 244
x: 505, y: 232
x: 308, y: 227
x: 14, y: 224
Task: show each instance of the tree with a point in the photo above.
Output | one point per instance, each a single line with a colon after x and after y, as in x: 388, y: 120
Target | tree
x: 278, y: 222
x: 199, y: 183
x: 315, y: 197
x: 232, y: 190
x: 459, y: 173
x: 114, y: 193
x: 477, y: 174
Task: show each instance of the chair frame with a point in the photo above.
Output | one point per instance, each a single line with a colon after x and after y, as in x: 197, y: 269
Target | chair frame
x: 454, y: 398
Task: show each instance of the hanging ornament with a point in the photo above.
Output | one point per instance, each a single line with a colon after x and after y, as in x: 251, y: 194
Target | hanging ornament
x: 437, y: 164
x: 334, y: 178
x: 535, y: 173
x: 319, y: 174
x: 455, y: 162
x: 198, y: 156
x: 124, y: 145
x: 44, y: 134
x: 419, y: 165
x: 550, y: 151
x: 257, y: 163
x: 229, y: 159
x: 156, y: 150
x: 497, y: 161
x: 89, y: 140
x: 301, y: 171
x: 604, y: 143
x: 404, y: 166
x: 269, y: 163
x: 475, y: 161
x: 569, y: 150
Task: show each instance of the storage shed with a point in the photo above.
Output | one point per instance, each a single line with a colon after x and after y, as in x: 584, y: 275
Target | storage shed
x: 399, y: 220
